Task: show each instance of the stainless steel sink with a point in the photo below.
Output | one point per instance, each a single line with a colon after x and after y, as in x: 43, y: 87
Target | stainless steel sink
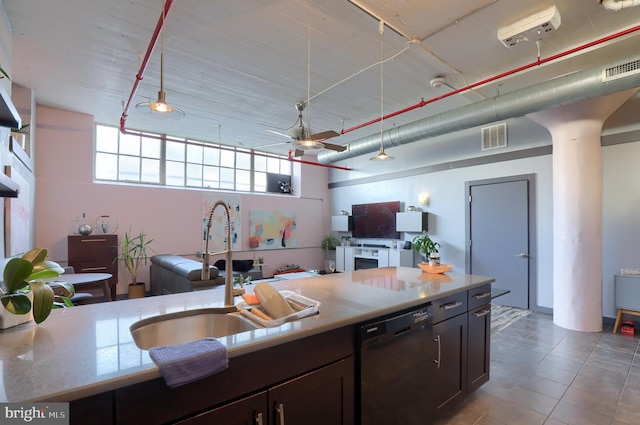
x: 190, y: 325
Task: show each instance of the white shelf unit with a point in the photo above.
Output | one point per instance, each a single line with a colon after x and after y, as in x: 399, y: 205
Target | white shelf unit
x: 341, y: 223
x: 412, y: 221
x: 346, y: 257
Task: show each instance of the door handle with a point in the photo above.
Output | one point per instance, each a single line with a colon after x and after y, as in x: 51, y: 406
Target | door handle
x: 522, y: 255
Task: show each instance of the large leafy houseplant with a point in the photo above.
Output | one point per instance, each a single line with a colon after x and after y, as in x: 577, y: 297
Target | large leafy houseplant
x: 23, y: 276
x: 425, y: 245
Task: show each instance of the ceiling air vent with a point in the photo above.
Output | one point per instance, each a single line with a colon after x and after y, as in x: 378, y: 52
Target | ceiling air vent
x: 494, y: 137
x: 622, y: 70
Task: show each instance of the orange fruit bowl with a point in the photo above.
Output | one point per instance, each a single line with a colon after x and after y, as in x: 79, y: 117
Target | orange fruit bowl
x: 442, y: 268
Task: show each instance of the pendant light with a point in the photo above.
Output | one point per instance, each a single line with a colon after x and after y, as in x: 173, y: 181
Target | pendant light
x: 382, y: 156
x: 161, y: 107
x: 306, y: 142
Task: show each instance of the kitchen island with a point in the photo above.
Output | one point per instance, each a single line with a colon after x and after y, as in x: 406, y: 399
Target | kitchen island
x: 86, y: 354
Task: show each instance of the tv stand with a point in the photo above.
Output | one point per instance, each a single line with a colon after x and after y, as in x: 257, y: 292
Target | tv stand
x: 350, y: 258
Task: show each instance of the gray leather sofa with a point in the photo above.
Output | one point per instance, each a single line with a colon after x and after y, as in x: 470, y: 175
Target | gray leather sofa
x: 171, y: 274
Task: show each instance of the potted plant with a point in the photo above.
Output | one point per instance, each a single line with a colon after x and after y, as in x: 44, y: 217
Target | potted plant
x: 134, y: 253
x: 427, y: 247
x: 23, y: 292
x: 328, y: 243
x: 346, y: 240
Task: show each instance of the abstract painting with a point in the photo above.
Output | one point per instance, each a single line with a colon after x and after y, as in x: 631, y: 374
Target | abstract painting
x: 273, y: 229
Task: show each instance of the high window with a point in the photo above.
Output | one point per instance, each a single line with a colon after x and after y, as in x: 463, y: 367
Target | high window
x: 155, y: 159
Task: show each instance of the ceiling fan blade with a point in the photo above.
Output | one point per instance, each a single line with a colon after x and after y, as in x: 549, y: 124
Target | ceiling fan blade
x: 337, y: 148
x: 279, y: 133
x: 324, y: 135
x: 270, y: 144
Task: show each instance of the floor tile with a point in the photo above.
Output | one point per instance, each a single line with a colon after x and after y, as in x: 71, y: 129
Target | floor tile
x: 544, y: 374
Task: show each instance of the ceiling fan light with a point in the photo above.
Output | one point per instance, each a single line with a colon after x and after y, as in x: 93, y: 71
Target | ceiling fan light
x: 308, y: 144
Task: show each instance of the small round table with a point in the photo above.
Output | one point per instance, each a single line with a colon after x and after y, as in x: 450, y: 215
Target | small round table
x: 79, y: 279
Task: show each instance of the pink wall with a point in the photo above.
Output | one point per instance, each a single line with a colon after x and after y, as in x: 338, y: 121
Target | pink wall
x: 172, y: 217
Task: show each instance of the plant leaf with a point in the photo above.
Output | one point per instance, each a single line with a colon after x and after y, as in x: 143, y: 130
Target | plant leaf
x: 45, y: 269
x: 16, y: 272
x: 42, y: 300
x: 36, y: 255
x: 17, y: 303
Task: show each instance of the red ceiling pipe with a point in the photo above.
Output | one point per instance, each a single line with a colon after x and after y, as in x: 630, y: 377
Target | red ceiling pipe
x: 145, y: 61
x: 420, y: 104
x: 537, y: 62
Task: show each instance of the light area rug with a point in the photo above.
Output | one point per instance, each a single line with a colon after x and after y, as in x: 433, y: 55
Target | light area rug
x: 503, y: 316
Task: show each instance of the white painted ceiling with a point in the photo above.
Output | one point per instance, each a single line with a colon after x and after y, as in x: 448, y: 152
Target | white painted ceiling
x: 238, y: 67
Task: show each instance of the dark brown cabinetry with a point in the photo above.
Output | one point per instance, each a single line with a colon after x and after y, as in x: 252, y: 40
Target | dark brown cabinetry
x: 318, y: 397
x: 95, y: 254
x: 462, y: 334
x: 450, y: 337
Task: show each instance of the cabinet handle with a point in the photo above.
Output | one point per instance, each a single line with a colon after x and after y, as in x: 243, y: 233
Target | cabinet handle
x: 452, y: 305
x: 280, y: 411
x: 437, y: 339
x: 91, y: 269
x: 482, y: 312
x: 93, y: 240
x: 482, y: 295
x: 258, y: 419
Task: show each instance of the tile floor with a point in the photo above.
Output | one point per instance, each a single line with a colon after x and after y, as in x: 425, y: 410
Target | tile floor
x: 544, y: 374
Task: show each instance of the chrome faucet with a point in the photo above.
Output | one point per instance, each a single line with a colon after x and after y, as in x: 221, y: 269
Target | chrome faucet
x: 228, y: 278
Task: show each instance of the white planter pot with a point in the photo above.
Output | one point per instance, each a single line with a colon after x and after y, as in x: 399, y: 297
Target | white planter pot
x: 9, y: 320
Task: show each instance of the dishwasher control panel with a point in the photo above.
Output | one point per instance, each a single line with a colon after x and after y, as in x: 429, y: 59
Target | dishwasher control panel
x: 392, y: 324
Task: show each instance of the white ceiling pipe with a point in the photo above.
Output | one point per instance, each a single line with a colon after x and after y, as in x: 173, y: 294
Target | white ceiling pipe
x: 617, y: 5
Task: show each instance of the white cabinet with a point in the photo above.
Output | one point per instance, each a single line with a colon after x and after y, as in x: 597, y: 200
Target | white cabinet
x: 383, y: 257
x: 341, y: 223
x: 413, y: 221
x: 401, y: 257
x: 340, y: 258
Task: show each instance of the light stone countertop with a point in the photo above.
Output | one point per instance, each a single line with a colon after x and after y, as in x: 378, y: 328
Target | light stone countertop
x: 86, y: 350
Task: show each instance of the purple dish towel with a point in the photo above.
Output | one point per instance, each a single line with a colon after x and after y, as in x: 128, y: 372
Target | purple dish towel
x: 184, y: 363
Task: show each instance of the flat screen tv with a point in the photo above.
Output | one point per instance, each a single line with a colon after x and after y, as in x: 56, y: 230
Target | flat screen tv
x: 375, y: 220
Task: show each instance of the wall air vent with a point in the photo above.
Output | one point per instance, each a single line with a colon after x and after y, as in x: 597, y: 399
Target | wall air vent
x: 622, y: 70
x: 494, y: 137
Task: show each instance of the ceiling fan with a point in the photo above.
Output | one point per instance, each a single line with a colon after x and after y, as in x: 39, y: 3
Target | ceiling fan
x: 302, y: 137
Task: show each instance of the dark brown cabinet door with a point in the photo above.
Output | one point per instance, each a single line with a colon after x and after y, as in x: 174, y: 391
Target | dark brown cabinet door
x: 479, y: 346
x: 324, y: 396
x: 450, y: 338
x: 95, y: 254
x: 247, y: 411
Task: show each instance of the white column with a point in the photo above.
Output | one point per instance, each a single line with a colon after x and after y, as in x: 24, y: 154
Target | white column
x: 577, y: 208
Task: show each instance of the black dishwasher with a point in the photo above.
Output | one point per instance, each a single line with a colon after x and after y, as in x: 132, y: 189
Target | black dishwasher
x: 396, y: 369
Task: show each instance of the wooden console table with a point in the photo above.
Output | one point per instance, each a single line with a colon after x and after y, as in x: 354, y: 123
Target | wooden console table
x: 627, y: 293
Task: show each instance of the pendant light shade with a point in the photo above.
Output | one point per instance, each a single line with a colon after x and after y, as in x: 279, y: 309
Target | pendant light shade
x: 382, y: 156
x: 161, y: 107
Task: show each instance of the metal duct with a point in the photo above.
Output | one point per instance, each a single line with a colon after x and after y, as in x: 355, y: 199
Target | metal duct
x: 563, y: 90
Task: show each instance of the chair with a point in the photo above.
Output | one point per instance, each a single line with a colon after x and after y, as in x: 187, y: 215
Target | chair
x: 79, y: 297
